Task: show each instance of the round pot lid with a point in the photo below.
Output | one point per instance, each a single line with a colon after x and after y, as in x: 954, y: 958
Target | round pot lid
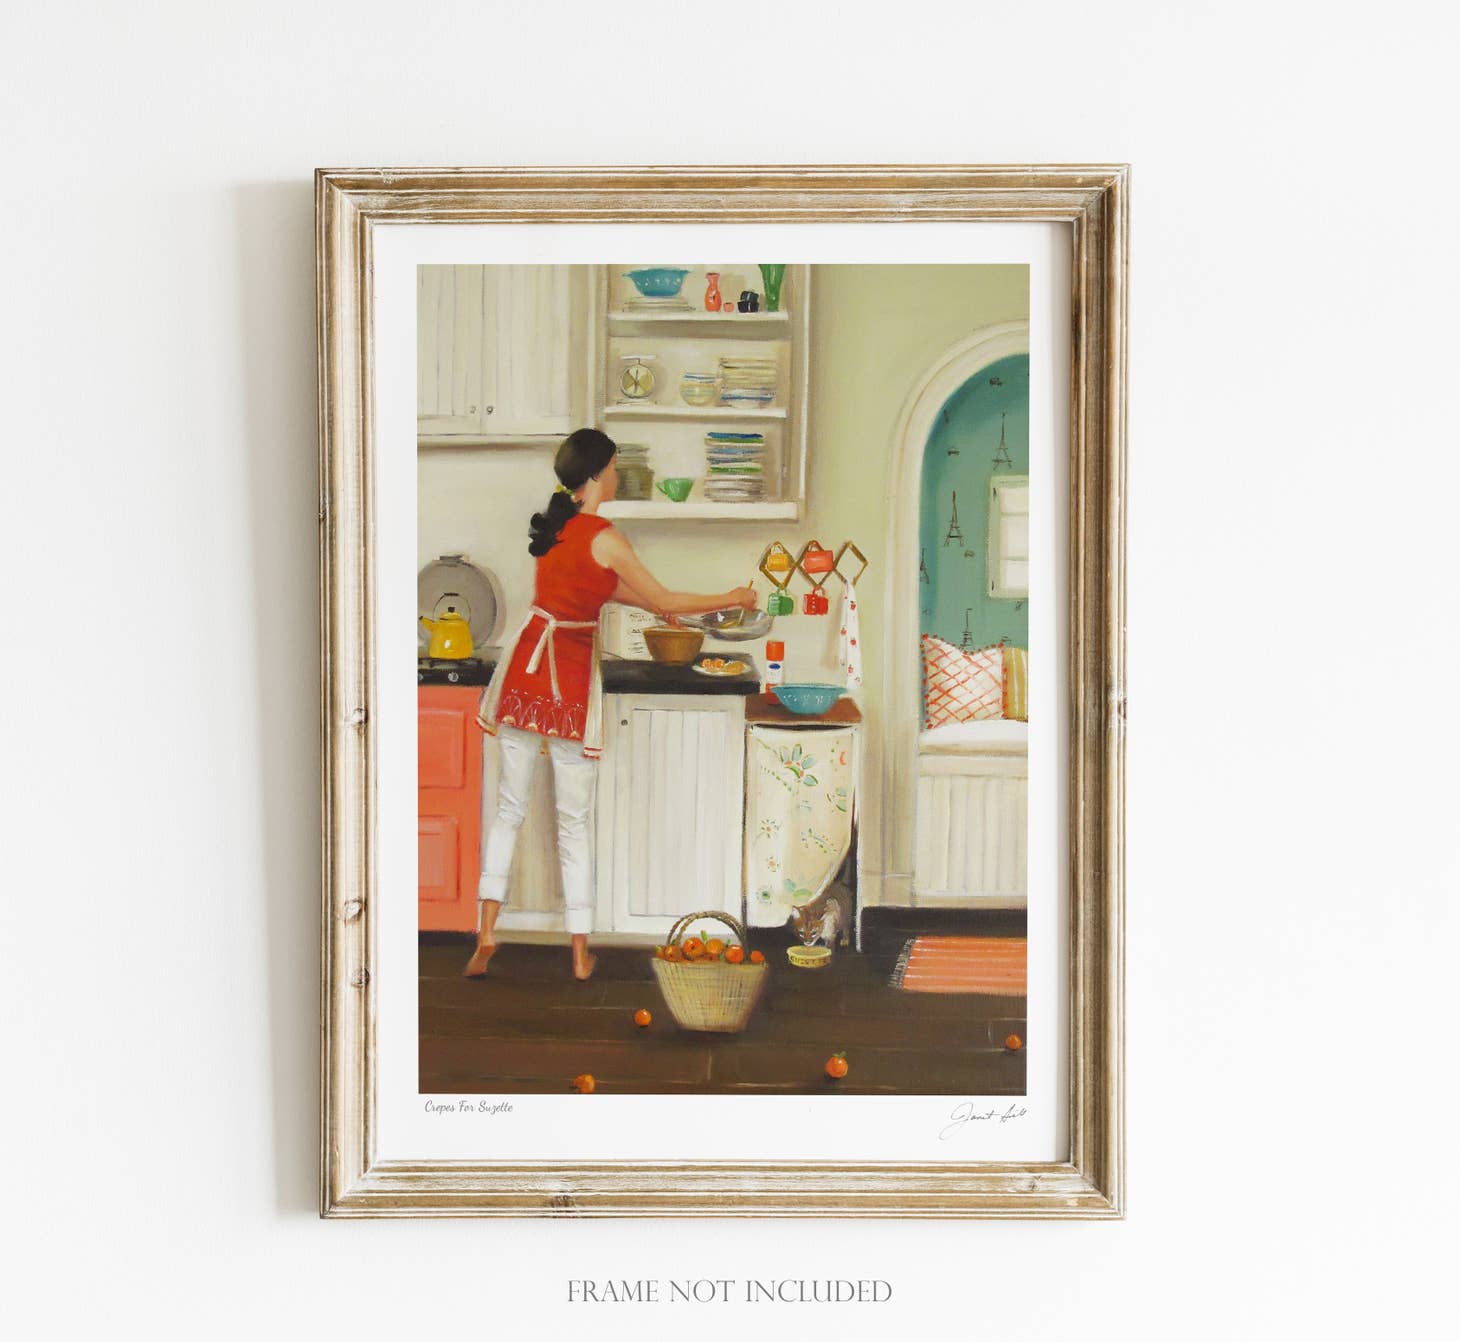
x: 453, y: 580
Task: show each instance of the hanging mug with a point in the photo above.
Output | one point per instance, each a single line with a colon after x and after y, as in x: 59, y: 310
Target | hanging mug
x: 780, y: 603
x: 815, y: 602
x: 817, y: 560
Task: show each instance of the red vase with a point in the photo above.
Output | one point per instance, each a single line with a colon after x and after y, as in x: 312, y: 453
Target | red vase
x: 712, y: 291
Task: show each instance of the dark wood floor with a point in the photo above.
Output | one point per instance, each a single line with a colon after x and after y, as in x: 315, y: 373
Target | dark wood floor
x: 530, y: 1027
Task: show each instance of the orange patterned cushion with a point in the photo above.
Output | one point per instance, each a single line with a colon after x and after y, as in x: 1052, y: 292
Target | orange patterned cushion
x: 961, y: 686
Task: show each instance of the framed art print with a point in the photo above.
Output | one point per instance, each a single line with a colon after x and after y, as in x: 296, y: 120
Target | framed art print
x: 722, y: 580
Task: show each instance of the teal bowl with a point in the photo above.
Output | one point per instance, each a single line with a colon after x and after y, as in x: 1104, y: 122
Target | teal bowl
x: 657, y: 281
x: 807, y: 698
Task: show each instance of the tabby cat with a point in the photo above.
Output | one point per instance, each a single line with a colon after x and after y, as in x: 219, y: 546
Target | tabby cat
x: 827, y: 918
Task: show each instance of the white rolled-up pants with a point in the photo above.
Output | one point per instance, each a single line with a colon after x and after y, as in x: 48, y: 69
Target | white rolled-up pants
x: 573, y: 779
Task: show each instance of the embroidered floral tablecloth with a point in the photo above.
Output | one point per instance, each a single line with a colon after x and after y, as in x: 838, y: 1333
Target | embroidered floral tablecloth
x: 798, y: 816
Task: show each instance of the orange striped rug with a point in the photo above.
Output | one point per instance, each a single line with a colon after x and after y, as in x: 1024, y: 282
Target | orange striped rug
x: 963, y: 965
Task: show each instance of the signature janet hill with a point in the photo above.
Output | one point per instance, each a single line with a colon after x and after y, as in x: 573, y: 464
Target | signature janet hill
x: 966, y: 1112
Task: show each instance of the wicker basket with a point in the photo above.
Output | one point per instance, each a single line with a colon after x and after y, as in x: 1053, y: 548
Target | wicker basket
x: 714, y: 996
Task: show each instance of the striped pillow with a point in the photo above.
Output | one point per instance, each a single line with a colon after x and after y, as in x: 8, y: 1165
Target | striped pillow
x: 1016, y: 684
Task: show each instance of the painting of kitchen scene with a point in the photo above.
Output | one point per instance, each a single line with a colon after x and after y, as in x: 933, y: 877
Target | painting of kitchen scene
x: 722, y: 661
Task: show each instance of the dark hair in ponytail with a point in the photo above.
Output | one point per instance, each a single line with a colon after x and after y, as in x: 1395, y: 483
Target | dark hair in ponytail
x: 583, y: 454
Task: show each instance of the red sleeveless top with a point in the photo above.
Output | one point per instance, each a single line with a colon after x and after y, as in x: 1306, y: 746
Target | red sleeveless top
x: 571, y: 586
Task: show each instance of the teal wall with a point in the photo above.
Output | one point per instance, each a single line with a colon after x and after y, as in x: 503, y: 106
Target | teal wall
x: 958, y: 572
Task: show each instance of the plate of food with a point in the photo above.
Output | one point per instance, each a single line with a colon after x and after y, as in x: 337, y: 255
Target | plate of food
x: 721, y: 666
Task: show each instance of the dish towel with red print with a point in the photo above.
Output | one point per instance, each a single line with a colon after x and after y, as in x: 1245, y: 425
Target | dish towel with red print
x: 849, y: 654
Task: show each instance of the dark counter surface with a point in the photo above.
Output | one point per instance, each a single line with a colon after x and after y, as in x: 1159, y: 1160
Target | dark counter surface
x: 620, y: 676
x: 635, y: 677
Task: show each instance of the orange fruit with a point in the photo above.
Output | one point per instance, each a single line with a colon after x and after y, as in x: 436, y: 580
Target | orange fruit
x: 756, y: 958
x: 1013, y: 1043
x: 584, y: 1084
x: 642, y: 1018
x: 692, y: 947
x: 673, y: 953
x: 836, y: 1066
x: 735, y: 954
x: 714, y: 948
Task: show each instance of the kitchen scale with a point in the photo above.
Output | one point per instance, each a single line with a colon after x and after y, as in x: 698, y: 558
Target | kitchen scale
x: 636, y: 382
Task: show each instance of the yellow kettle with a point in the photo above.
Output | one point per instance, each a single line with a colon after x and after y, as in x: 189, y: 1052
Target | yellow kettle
x: 450, y: 635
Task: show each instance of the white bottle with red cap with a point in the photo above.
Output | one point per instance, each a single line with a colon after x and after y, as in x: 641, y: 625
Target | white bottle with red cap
x: 775, y: 662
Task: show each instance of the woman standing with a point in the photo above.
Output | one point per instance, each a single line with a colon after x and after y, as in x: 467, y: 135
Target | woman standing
x: 546, y: 696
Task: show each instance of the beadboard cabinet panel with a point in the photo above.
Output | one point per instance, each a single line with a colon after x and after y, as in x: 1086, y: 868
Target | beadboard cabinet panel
x: 670, y: 824
x: 452, y: 346
x: 499, y: 352
x: 972, y: 828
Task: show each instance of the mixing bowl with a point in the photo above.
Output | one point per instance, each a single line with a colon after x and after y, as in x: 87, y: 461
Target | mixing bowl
x: 808, y: 698
x: 673, y: 647
x: 735, y: 625
x: 657, y: 281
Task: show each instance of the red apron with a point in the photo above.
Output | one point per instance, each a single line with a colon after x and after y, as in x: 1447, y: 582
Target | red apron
x: 548, y: 679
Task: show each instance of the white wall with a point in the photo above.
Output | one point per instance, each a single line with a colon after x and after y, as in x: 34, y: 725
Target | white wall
x: 1291, y: 872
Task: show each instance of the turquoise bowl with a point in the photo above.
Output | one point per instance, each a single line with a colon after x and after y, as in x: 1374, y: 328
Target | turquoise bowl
x: 808, y: 698
x: 657, y: 281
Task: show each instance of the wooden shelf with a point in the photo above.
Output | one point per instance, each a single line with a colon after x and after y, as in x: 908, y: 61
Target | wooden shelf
x: 444, y: 440
x: 720, y: 321
x: 671, y: 432
x: 690, y: 412
x: 702, y: 510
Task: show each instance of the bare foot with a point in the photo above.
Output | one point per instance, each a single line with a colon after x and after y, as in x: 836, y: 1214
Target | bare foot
x: 476, y: 967
x: 583, y: 970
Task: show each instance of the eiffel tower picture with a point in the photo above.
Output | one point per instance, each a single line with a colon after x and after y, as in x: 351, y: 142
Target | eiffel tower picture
x: 923, y: 567
x: 955, y: 532
x: 967, y: 632
x: 1002, y: 457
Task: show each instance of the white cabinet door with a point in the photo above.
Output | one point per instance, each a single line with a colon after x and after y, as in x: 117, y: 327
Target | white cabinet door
x: 538, y: 336
x: 670, y: 808
x: 500, y: 351
x: 453, y: 376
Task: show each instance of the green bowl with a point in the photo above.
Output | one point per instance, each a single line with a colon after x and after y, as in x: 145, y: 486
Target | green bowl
x: 676, y: 487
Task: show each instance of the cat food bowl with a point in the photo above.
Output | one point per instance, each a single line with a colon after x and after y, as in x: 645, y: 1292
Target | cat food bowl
x: 809, y: 957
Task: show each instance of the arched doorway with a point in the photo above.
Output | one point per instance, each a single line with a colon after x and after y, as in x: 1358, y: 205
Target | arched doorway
x: 903, y: 672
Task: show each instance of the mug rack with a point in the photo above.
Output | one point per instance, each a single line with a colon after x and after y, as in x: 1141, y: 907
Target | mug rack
x: 815, y: 563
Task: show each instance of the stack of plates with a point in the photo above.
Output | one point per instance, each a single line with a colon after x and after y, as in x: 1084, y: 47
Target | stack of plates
x: 735, y: 467
x: 747, y: 382
x: 638, y: 303
x: 635, y: 479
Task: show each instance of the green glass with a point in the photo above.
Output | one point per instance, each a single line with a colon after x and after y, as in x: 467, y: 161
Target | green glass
x: 772, y: 277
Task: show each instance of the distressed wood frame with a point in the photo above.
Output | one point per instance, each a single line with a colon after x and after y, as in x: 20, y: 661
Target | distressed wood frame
x: 349, y: 204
